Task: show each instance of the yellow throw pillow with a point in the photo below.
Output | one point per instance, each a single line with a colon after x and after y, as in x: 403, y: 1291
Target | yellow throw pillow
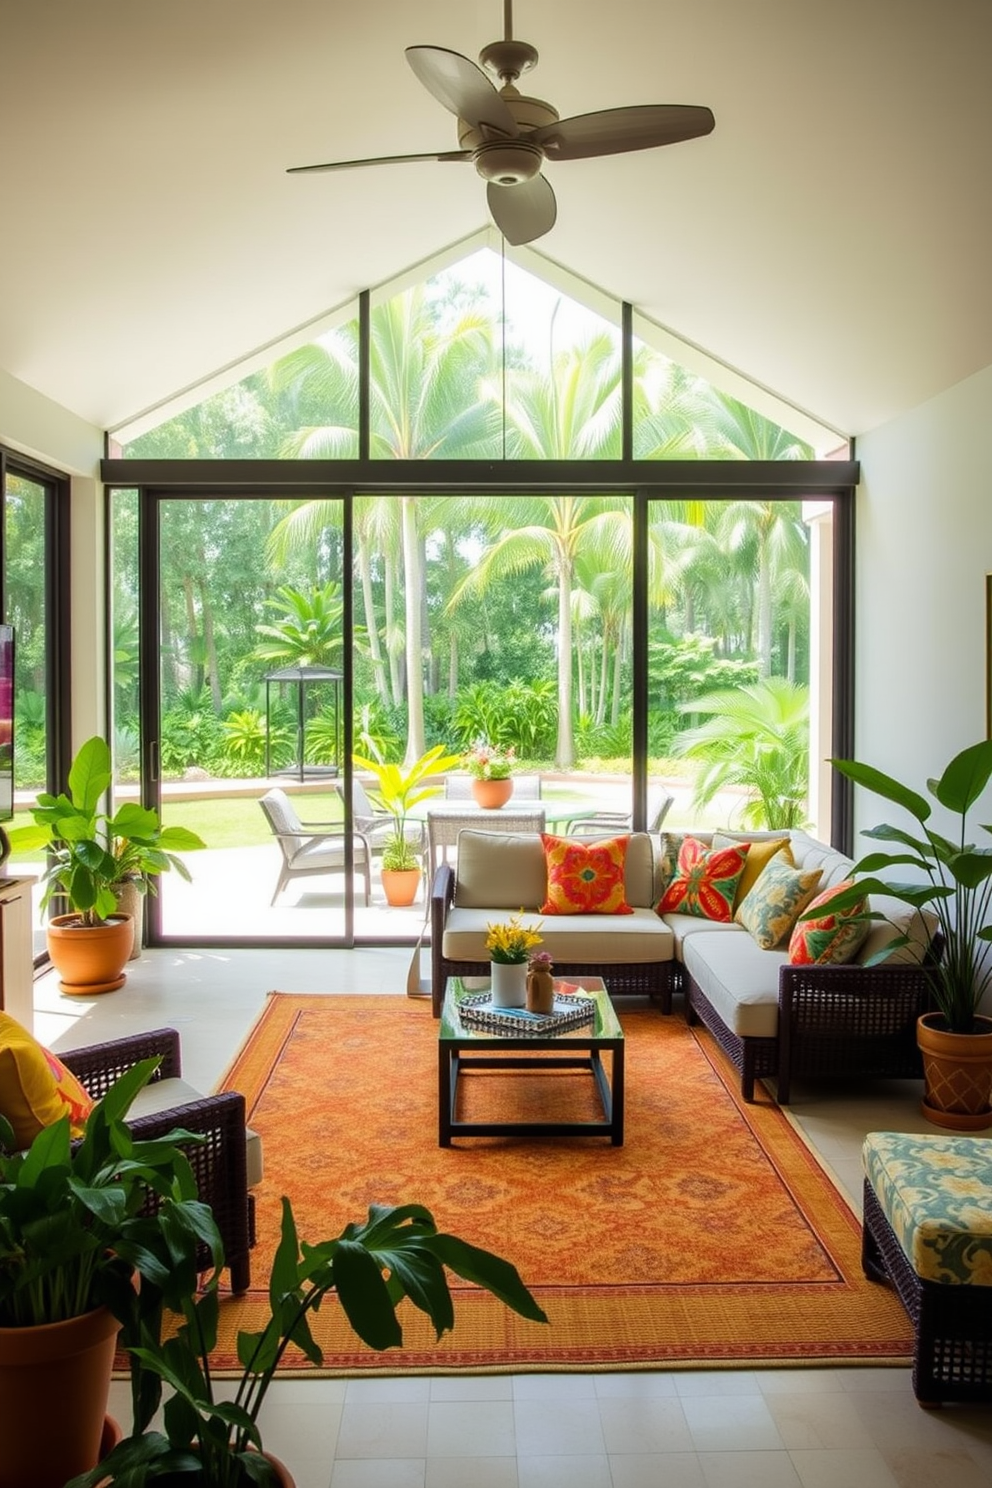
x: 760, y: 852
x: 776, y: 901
x: 35, y: 1086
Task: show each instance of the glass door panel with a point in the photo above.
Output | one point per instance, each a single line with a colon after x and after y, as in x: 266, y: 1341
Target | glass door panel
x: 251, y: 647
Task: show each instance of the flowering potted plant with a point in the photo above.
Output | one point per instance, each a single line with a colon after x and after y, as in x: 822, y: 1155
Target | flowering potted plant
x: 509, y: 946
x: 490, y: 766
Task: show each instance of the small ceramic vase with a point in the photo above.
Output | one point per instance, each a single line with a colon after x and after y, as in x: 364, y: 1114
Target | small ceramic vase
x: 540, y: 992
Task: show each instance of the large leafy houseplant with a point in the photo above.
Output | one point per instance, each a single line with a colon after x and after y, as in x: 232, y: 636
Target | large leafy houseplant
x: 398, y: 1252
x: 399, y: 789
x: 78, y: 1221
x: 954, y: 876
x: 90, y: 853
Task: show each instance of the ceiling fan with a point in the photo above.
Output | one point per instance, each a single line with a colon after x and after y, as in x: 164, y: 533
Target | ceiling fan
x: 508, y: 136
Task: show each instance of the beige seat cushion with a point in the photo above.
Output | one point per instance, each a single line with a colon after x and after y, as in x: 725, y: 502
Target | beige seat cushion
x: 738, y: 978
x: 164, y: 1094
x: 585, y: 939
x: 683, y: 925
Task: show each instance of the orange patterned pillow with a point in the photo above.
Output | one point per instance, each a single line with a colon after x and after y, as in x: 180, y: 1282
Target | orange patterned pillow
x: 705, y: 883
x: 585, y: 877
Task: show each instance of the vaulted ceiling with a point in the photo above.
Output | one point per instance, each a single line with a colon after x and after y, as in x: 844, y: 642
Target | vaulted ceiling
x: 830, y: 239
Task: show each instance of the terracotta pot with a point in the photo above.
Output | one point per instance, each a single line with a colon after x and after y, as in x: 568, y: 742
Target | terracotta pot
x: 490, y: 794
x: 957, y: 1074
x: 540, y: 992
x: 130, y: 902
x: 400, y: 885
x: 90, y: 958
x: 54, y: 1384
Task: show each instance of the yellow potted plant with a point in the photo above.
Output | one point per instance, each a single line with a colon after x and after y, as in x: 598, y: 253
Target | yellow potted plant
x: 509, y: 945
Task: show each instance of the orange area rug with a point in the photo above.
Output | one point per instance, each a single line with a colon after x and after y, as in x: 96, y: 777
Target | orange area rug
x: 711, y: 1238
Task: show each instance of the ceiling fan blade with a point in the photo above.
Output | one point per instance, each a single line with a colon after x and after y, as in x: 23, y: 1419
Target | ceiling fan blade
x: 525, y: 212
x: 616, y: 131
x: 331, y: 165
x: 461, y: 87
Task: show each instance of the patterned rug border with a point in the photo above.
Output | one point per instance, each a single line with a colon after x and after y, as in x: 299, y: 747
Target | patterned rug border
x: 804, y: 1175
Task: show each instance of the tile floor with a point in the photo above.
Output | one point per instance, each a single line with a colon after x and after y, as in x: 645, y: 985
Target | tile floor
x: 799, y: 1428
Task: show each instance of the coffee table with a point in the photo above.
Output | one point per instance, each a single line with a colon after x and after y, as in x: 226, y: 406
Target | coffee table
x: 463, y: 1047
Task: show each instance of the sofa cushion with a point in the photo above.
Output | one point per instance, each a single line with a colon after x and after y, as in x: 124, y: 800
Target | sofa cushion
x: 577, y: 939
x: 760, y: 851
x: 585, y: 877
x: 899, y: 919
x: 682, y: 925
x: 738, y: 978
x: 773, y: 905
x: 500, y: 871
x: 505, y: 871
x: 828, y: 937
x: 706, y: 881
x: 807, y: 852
x: 164, y: 1095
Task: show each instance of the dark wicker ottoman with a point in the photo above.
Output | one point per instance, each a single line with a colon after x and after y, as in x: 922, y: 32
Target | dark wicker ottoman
x: 952, y: 1318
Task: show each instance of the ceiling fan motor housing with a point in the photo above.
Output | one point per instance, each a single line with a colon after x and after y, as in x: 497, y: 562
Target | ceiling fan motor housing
x: 508, y: 162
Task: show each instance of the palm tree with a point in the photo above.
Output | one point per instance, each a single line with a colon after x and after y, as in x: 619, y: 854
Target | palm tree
x: 756, y: 737
x: 308, y: 629
x: 427, y: 401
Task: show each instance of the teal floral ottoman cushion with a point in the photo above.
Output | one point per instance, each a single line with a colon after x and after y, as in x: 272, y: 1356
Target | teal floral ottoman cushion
x: 936, y: 1193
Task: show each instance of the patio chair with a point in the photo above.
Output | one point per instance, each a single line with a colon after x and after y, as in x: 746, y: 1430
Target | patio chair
x: 227, y: 1164
x: 376, y: 826
x: 309, y: 848
x: 605, y: 823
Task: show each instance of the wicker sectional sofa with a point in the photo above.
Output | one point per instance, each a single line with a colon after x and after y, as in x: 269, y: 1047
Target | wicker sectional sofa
x: 771, y: 1018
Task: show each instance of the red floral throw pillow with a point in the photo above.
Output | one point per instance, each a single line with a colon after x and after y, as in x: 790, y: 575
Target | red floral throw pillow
x: 705, y: 882
x: 829, y: 938
x: 585, y: 877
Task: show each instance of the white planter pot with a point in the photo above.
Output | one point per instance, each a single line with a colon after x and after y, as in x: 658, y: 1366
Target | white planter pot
x: 508, y: 983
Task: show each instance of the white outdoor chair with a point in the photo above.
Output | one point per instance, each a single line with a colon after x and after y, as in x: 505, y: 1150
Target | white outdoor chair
x: 605, y: 823
x: 377, y: 826
x: 310, y: 848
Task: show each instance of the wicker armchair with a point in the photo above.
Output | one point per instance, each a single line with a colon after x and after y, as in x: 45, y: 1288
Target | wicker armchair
x: 219, y: 1163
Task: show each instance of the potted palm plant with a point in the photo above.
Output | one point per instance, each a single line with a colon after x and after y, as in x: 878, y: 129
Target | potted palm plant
x: 399, y: 789
x: 75, y: 1227
x: 398, y: 1252
x: 92, y: 857
x: 953, y: 882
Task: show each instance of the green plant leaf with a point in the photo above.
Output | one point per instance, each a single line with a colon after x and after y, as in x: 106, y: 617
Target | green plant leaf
x: 884, y: 786
x: 486, y: 1270
x: 965, y: 778
x: 365, y: 1297
x: 90, y: 774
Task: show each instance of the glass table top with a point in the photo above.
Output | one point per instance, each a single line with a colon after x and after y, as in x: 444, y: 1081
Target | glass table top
x: 604, y: 1023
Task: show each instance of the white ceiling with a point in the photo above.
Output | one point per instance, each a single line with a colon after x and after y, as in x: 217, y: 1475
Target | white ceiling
x: 830, y: 238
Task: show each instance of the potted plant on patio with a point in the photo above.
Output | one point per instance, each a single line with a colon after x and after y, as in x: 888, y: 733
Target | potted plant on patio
x: 92, y: 857
x: 954, y: 883
x: 74, y: 1231
x: 400, y: 788
x: 398, y: 1252
x: 491, y: 769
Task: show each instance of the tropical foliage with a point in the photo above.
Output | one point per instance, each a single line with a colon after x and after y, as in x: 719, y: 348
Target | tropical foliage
x: 755, y: 739
x: 503, y: 616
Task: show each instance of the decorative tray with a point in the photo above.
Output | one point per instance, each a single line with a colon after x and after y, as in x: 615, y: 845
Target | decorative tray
x: 570, y: 1010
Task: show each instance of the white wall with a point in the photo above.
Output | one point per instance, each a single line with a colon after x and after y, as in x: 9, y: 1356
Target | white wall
x: 34, y: 425
x: 924, y: 547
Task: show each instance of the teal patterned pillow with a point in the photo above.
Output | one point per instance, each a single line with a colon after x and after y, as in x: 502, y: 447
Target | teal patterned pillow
x: 772, y: 907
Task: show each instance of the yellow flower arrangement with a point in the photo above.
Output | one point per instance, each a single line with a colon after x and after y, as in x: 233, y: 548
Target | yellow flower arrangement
x: 513, y: 942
